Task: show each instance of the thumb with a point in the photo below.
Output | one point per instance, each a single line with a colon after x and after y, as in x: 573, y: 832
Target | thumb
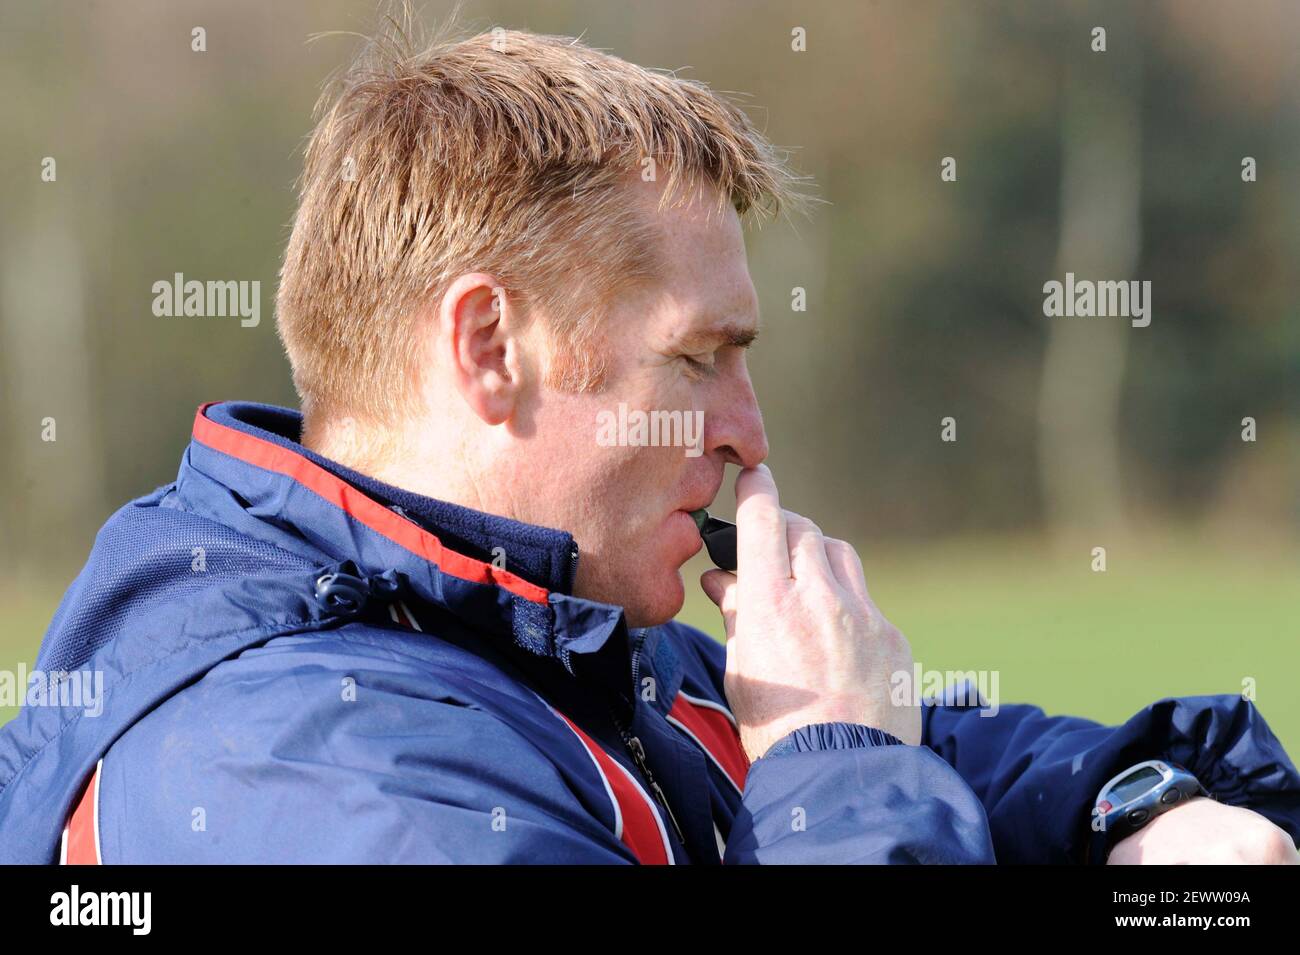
x: 720, y: 587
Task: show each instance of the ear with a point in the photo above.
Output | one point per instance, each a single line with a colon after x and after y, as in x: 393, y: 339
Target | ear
x: 480, y: 341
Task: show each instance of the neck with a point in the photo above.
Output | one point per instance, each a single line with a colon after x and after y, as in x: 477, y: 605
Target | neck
x: 414, y: 459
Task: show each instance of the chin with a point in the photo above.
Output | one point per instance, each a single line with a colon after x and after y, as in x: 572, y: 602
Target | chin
x: 651, y: 605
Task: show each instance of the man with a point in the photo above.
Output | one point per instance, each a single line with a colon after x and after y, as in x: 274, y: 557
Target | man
x: 354, y: 636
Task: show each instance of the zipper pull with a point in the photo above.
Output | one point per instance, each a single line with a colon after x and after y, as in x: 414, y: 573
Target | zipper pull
x: 638, y: 756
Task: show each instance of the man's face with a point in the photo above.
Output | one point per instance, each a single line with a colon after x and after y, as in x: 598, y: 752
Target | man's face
x: 677, y: 346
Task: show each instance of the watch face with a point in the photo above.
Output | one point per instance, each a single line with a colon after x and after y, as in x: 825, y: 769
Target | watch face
x: 1134, y: 785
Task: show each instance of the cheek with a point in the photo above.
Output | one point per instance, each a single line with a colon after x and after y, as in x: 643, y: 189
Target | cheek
x: 628, y: 495
x: 658, y: 472
x: 642, y: 479
x: 608, y: 480
x: 655, y: 473
x: 582, y: 455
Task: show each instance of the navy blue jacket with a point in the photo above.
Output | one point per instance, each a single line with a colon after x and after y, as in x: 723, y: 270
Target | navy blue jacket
x: 303, y: 665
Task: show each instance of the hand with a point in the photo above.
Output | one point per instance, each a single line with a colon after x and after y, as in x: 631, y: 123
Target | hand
x: 1202, y: 831
x: 805, y: 643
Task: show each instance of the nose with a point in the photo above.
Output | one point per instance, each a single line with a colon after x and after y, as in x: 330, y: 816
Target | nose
x: 733, y: 427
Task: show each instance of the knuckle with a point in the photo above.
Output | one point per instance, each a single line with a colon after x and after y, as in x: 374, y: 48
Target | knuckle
x: 893, y: 639
x: 800, y: 523
x: 767, y: 522
x: 849, y: 553
x: 1271, y: 842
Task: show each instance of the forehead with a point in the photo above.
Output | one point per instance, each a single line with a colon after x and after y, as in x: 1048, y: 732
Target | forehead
x: 704, y: 273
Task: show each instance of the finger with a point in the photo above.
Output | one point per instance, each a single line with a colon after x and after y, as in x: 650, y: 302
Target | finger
x: 847, y: 568
x: 760, y: 525
x: 807, y: 548
x: 720, y: 587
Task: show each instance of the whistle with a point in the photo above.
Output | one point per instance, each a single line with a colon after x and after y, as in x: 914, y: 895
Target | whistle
x: 719, y: 539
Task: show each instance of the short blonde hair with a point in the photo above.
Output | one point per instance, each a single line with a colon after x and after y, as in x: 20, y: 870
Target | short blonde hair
x: 508, y: 153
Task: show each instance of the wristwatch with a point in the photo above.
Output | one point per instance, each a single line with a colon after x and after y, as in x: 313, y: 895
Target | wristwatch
x: 1133, y: 798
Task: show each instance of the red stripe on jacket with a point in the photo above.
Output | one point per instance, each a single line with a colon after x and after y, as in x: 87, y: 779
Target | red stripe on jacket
x: 81, y: 834
x: 714, y: 729
x: 272, y: 457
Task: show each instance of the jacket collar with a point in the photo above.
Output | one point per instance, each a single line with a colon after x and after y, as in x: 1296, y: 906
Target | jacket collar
x: 245, y: 463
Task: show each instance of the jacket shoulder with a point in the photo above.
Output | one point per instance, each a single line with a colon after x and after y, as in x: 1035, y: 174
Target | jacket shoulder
x: 355, y: 745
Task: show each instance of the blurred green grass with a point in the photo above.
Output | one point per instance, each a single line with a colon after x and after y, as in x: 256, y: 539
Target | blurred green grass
x: 1174, y: 619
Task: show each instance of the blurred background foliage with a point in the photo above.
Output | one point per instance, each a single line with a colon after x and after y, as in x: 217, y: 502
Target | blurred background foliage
x: 924, y: 300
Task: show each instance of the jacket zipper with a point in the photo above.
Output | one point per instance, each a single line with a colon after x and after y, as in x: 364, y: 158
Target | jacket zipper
x: 637, y: 751
x: 573, y: 565
x: 633, y: 743
x: 630, y: 741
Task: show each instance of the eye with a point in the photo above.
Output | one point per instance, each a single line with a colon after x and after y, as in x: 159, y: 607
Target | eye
x: 699, y: 364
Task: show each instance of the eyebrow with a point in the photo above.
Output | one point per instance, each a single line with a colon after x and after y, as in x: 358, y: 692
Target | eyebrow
x: 735, y: 335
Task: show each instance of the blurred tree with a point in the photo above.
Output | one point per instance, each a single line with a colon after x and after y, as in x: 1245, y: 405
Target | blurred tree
x: 1100, y: 236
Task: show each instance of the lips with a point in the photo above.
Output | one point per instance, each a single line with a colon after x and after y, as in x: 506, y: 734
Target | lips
x: 700, y: 502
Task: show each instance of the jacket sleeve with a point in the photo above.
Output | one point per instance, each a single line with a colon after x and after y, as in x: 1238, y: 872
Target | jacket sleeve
x: 844, y: 793
x: 1037, y: 775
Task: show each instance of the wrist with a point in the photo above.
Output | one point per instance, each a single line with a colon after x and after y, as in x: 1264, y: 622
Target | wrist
x: 1135, y: 797
x: 816, y: 737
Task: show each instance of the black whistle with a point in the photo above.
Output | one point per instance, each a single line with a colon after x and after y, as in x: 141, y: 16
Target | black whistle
x: 719, y: 539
